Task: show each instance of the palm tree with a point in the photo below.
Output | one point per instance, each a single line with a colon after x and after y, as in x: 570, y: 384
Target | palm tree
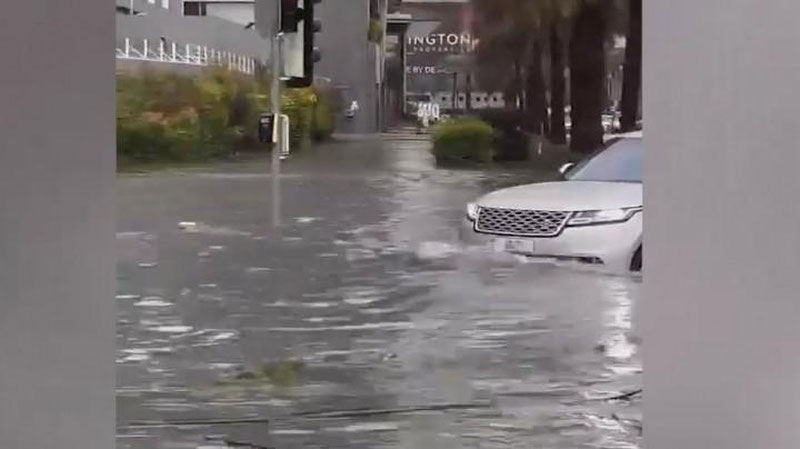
x: 535, y: 92
x: 579, y: 27
x: 632, y: 72
x: 504, y: 34
x: 511, y: 28
x: 587, y: 75
x: 555, y: 16
x: 558, y: 84
x: 510, y: 31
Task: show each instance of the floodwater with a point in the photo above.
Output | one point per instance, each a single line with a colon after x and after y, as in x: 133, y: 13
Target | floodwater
x: 377, y: 328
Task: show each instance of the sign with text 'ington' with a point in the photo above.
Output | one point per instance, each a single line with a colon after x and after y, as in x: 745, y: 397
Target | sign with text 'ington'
x: 454, y: 43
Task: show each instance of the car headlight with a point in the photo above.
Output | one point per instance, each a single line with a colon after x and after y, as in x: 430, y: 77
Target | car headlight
x: 593, y: 217
x: 472, y: 211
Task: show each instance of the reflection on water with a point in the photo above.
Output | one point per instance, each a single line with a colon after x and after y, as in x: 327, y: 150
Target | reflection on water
x: 406, y: 339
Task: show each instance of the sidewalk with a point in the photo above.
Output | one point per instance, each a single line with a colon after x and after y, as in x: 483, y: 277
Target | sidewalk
x: 406, y: 132
x: 345, y: 137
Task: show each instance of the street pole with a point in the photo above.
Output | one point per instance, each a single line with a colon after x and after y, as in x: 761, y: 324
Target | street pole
x: 384, y: 23
x: 469, y: 92
x: 455, y: 92
x: 278, y: 131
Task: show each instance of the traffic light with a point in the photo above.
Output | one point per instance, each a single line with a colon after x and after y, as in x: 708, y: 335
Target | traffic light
x: 289, y: 16
x: 300, y: 26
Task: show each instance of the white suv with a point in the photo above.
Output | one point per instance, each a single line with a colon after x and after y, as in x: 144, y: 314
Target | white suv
x: 594, y: 216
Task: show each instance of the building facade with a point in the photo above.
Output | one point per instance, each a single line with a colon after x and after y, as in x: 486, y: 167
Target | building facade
x: 351, y: 64
x: 236, y: 11
x: 439, y: 49
x: 166, y: 33
x: 440, y: 65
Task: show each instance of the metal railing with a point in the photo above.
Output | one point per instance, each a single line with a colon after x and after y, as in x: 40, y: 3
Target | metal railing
x: 188, y: 54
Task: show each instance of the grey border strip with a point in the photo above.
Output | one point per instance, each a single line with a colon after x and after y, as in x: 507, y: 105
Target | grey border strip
x: 57, y: 259
x: 722, y: 179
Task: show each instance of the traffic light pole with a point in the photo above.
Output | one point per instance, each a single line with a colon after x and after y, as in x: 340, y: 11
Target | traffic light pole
x: 278, y: 130
x: 286, y: 34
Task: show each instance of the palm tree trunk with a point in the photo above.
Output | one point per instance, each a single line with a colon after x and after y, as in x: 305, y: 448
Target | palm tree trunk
x: 512, y: 89
x: 541, y: 92
x: 518, y: 87
x: 632, y: 73
x: 558, y: 132
x: 587, y: 76
x: 536, y: 97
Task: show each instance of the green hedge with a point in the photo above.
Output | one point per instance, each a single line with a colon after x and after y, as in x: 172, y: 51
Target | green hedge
x: 375, y: 31
x: 463, y: 139
x: 323, y: 122
x: 165, y: 116
x: 298, y: 105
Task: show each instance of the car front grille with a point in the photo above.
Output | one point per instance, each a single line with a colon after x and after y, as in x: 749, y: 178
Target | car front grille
x: 520, y: 222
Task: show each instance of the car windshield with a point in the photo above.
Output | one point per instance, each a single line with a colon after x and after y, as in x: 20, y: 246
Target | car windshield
x: 619, y: 162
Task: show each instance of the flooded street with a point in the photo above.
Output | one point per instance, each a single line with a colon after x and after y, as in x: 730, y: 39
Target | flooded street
x: 362, y: 323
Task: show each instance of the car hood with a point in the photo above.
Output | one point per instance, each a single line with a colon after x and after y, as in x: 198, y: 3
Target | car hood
x: 566, y: 196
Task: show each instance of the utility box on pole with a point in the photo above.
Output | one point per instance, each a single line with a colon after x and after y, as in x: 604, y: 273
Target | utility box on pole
x: 266, y: 129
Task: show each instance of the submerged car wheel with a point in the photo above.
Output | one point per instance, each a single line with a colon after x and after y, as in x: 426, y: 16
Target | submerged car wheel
x: 636, y: 262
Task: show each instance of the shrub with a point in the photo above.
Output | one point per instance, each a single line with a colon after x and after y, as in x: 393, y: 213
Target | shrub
x: 463, y: 139
x: 146, y: 139
x: 505, y: 120
x: 511, y: 145
x: 510, y: 140
x: 298, y: 105
x: 324, y: 119
x: 375, y: 31
x: 142, y: 140
x: 172, y: 117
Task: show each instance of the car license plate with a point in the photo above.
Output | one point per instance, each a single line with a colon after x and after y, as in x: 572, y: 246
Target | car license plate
x: 518, y: 246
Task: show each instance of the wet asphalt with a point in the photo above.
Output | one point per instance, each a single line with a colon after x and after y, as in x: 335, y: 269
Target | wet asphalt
x: 385, y: 331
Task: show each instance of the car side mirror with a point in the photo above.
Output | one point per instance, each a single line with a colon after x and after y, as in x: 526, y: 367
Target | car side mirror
x: 565, y: 168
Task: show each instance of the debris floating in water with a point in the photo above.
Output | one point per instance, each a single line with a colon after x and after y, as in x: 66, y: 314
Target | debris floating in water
x: 305, y: 220
x: 153, y: 301
x: 198, y: 422
x: 391, y: 411
x: 176, y: 329
x: 124, y: 297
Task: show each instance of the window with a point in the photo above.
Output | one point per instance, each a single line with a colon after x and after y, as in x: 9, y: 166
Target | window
x: 194, y: 8
x: 620, y: 162
x: 165, y: 4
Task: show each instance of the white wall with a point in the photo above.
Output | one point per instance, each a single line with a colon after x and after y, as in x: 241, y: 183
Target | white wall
x: 241, y: 13
x: 213, y: 32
